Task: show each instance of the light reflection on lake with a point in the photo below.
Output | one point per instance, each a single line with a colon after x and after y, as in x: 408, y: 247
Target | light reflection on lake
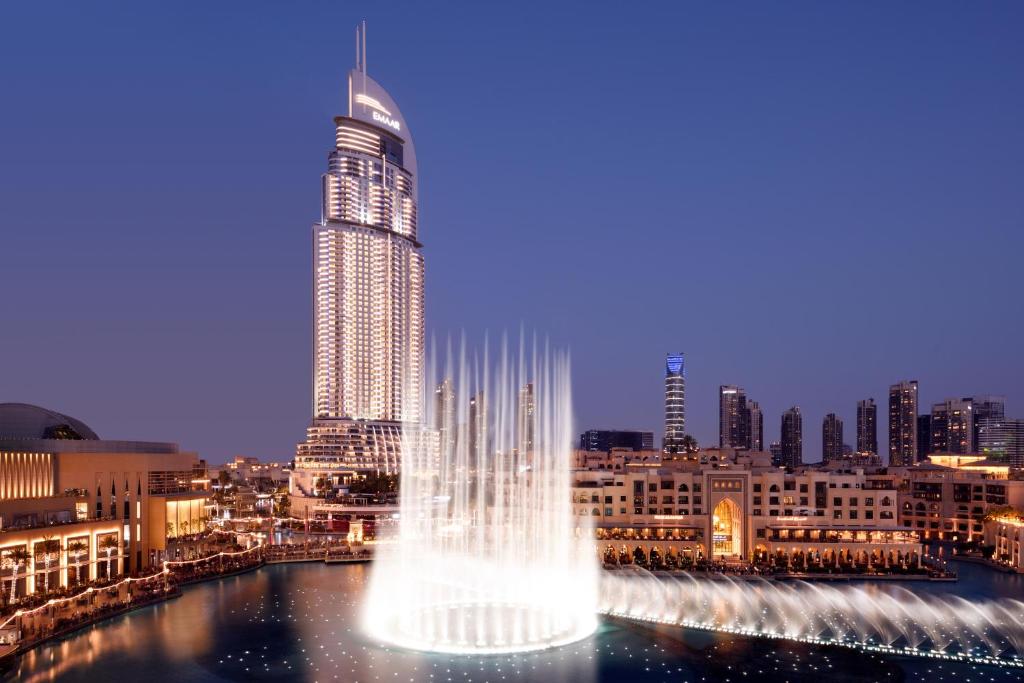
x: 301, y: 622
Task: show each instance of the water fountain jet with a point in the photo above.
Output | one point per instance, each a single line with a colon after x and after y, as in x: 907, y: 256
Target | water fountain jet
x: 488, y: 557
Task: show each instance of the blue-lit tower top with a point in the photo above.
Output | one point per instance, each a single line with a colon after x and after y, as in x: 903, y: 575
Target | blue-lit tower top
x: 675, y: 403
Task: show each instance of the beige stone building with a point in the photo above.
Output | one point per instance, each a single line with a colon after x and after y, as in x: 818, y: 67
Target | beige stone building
x: 1006, y: 534
x: 947, y: 497
x: 732, y: 504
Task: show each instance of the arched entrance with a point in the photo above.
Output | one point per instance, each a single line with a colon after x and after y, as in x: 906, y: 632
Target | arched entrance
x: 727, y: 529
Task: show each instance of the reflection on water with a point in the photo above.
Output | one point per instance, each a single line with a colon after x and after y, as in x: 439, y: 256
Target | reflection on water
x: 301, y: 622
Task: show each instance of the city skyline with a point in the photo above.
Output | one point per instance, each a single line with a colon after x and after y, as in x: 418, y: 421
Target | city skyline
x: 847, y: 153
x: 297, y: 450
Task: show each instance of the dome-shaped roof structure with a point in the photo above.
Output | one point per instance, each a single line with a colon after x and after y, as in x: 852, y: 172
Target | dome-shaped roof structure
x: 24, y: 421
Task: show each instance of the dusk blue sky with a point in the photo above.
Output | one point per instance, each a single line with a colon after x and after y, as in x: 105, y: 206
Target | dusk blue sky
x: 811, y: 200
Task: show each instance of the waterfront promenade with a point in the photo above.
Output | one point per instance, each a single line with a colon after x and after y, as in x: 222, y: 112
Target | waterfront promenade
x: 36, y: 619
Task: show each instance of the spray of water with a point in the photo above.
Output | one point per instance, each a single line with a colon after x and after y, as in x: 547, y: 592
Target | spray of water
x: 487, y: 557
x: 884, y: 619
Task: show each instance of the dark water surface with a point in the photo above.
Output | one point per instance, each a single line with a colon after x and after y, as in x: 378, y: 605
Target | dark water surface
x: 301, y: 622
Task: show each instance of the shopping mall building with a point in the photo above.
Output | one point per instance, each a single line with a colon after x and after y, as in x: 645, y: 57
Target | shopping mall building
x: 74, y: 507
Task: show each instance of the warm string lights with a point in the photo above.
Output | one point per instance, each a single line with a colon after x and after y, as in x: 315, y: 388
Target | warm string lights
x: 125, y: 581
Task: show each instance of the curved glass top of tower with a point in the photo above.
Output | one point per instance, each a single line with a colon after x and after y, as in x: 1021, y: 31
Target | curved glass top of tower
x: 369, y: 102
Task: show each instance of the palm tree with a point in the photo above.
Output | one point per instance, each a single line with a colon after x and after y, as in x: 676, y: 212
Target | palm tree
x: 109, y: 543
x: 998, y: 511
x: 75, y: 548
x: 49, y: 544
x: 18, y: 556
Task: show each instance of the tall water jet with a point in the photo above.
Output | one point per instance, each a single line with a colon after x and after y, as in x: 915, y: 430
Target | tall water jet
x: 487, y: 557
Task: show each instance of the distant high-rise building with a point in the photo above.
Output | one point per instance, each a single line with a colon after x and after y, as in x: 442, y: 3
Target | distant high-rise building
x: 607, y: 439
x: 903, y: 423
x: 367, y: 288
x: 953, y: 426
x: 924, y: 436
x: 986, y: 408
x: 792, y: 453
x: 733, y: 428
x: 527, y: 408
x: 755, y: 421
x: 477, y: 424
x: 775, y: 448
x: 867, y: 426
x: 675, y: 403
x: 831, y: 438
x: 444, y: 415
x: 1002, y: 438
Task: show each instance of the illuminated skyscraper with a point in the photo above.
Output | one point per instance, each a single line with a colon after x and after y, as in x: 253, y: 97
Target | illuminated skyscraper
x: 987, y: 410
x: 740, y: 422
x: 867, y: 426
x: 831, y: 438
x: 477, y: 426
x: 1002, y: 438
x: 527, y: 416
x: 755, y: 421
x: 903, y: 423
x: 953, y: 426
x: 675, y: 403
x: 444, y: 414
x: 733, y: 429
x: 367, y: 287
x: 792, y: 447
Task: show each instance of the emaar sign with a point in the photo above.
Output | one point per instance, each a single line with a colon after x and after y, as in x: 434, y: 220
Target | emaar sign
x: 386, y: 120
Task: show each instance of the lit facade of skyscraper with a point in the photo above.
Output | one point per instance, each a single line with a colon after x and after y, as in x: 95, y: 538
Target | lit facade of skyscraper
x: 367, y: 288
x: 675, y: 403
x: 953, y: 426
x: 903, y: 423
x: 792, y: 442
x: 444, y: 414
x: 987, y: 410
x: 1003, y: 438
x: 527, y: 408
x: 733, y: 427
x: 477, y: 423
x: 867, y: 426
x: 755, y: 420
x: 831, y: 438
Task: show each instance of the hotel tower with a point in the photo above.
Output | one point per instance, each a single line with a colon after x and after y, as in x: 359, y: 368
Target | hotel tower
x: 367, y: 292
x: 675, y: 403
